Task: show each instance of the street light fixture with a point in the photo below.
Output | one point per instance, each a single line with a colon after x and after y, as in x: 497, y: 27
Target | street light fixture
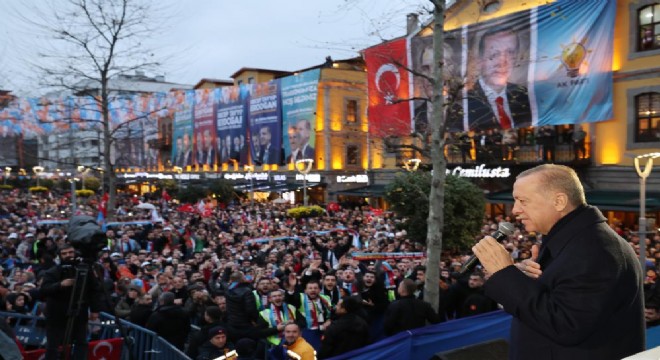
x: 37, y: 171
x: 643, y: 174
x: 82, y: 170
x: 304, y: 166
x: 178, y: 170
x: 7, y: 173
x: 411, y: 164
x: 250, y: 170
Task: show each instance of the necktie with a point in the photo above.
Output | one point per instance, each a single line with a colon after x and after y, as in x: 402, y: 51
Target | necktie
x: 505, y: 122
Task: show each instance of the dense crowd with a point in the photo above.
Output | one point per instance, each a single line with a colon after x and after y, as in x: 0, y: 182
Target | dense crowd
x: 248, y: 276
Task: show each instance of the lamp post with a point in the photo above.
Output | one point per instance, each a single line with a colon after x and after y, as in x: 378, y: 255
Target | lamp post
x: 73, y: 194
x: 250, y: 170
x: 178, y: 170
x: 37, y: 171
x: 643, y: 174
x: 7, y: 173
x: 304, y: 166
x: 81, y: 170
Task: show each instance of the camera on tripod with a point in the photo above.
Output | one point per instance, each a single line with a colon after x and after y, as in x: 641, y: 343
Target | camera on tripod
x: 86, y: 237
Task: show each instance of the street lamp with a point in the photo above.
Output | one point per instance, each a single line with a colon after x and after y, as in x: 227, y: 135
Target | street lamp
x: 250, y: 170
x: 37, y: 171
x: 178, y: 170
x: 643, y: 174
x: 304, y: 166
x: 7, y: 173
x: 412, y: 164
x: 82, y: 170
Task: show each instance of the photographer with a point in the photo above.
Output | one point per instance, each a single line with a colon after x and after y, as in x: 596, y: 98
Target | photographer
x: 57, y: 288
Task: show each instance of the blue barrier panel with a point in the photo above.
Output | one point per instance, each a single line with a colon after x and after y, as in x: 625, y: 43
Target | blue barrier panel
x: 146, y: 343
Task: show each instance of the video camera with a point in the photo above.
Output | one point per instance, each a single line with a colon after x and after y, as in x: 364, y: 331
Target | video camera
x: 86, y: 237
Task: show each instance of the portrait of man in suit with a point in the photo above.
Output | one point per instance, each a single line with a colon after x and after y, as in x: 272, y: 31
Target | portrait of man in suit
x: 209, y: 149
x: 267, y: 153
x: 494, y: 101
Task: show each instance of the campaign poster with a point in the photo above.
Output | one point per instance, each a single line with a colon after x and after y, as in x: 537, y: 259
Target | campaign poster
x: 422, y: 63
x: 182, y: 131
x: 204, y: 129
x: 231, y: 123
x: 265, y: 123
x: 299, y: 115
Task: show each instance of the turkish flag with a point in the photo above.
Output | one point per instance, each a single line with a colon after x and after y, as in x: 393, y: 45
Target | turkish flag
x: 388, y: 88
x: 109, y: 349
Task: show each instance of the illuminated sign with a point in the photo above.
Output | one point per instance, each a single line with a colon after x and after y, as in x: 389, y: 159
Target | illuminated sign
x: 279, y: 177
x: 263, y: 176
x: 480, y: 172
x: 159, y: 176
x: 309, y: 177
x: 362, y: 179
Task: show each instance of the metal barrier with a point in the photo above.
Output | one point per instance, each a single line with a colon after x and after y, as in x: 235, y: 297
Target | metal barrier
x: 141, y: 343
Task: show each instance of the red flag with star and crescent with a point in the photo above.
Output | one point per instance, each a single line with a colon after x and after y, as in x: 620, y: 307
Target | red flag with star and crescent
x: 388, y: 88
x: 109, y: 349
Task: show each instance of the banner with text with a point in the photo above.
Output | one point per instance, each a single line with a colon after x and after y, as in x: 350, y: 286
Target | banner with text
x: 232, y: 125
x: 265, y: 123
x: 299, y: 115
x: 182, y: 132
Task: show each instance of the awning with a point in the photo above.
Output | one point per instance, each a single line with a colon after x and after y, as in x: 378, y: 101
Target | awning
x: 376, y: 190
x: 603, y: 199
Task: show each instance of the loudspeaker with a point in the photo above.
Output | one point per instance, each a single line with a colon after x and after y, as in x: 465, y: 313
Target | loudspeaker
x: 489, y: 350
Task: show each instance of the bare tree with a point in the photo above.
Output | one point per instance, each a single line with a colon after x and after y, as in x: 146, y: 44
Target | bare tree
x: 90, y: 43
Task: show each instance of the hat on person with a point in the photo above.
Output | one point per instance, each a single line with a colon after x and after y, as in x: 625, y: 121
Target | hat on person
x: 216, y: 330
x: 456, y: 263
x: 13, y: 236
x: 115, y: 254
x: 134, y: 287
x: 195, y: 287
x: 167, y: 228
x: 146, y: 263
x: 29, y: 235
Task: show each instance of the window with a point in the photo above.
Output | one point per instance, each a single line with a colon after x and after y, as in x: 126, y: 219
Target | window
x: 647, y: 122
x: 649, y: 28
x: 351, y: 111
x: 250, y: 80
x: 352, y: 155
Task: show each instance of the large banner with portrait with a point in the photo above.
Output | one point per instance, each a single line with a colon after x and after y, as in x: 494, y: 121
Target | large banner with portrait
x: 204, y: 125
x: 231, y: 123
x: 299, y: 115
x: 182, y: 132
x: 550, y: 65
x: 265, y: 123
x: 388, y: 88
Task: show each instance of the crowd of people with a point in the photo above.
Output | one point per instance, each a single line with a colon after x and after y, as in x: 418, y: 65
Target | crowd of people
x: 252, y: 279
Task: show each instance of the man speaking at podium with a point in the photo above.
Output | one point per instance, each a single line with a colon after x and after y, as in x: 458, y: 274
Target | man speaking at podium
x: 581, y: 297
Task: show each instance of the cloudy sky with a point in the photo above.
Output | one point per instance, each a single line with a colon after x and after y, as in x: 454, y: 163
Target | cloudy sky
x: 214, y: 38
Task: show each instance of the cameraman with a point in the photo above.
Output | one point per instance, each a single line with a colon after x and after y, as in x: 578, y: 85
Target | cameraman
x: 57, y: 288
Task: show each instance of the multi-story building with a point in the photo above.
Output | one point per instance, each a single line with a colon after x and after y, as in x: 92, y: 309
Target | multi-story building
x: 68, y: 149
x: 631, y: 129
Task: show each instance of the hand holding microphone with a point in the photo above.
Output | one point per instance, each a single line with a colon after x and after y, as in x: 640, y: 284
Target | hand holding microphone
x: 489, y: 251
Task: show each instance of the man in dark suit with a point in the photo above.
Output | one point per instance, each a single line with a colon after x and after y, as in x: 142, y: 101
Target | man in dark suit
x: 583, y: 291
x: 493, y: 101
x: 304, y: 130
x: 267, y: 152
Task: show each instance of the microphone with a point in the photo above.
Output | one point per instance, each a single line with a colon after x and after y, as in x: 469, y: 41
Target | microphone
x: 504, y: 229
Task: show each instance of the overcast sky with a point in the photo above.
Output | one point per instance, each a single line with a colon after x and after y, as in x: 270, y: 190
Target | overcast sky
x: 214, y: 38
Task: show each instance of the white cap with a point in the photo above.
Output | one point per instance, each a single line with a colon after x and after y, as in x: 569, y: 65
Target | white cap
x: 115, y: 254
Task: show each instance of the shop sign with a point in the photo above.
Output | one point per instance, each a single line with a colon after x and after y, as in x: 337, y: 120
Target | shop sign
x: 359, y: 179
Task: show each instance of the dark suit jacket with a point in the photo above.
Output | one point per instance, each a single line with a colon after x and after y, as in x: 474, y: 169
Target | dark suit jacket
x: 480, y: 114
x: 588, y: 302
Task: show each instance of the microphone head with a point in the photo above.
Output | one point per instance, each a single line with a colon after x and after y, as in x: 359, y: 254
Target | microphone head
x: 506, y: 228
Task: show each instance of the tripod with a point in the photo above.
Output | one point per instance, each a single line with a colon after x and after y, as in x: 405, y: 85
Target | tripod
x: 75, y: 306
